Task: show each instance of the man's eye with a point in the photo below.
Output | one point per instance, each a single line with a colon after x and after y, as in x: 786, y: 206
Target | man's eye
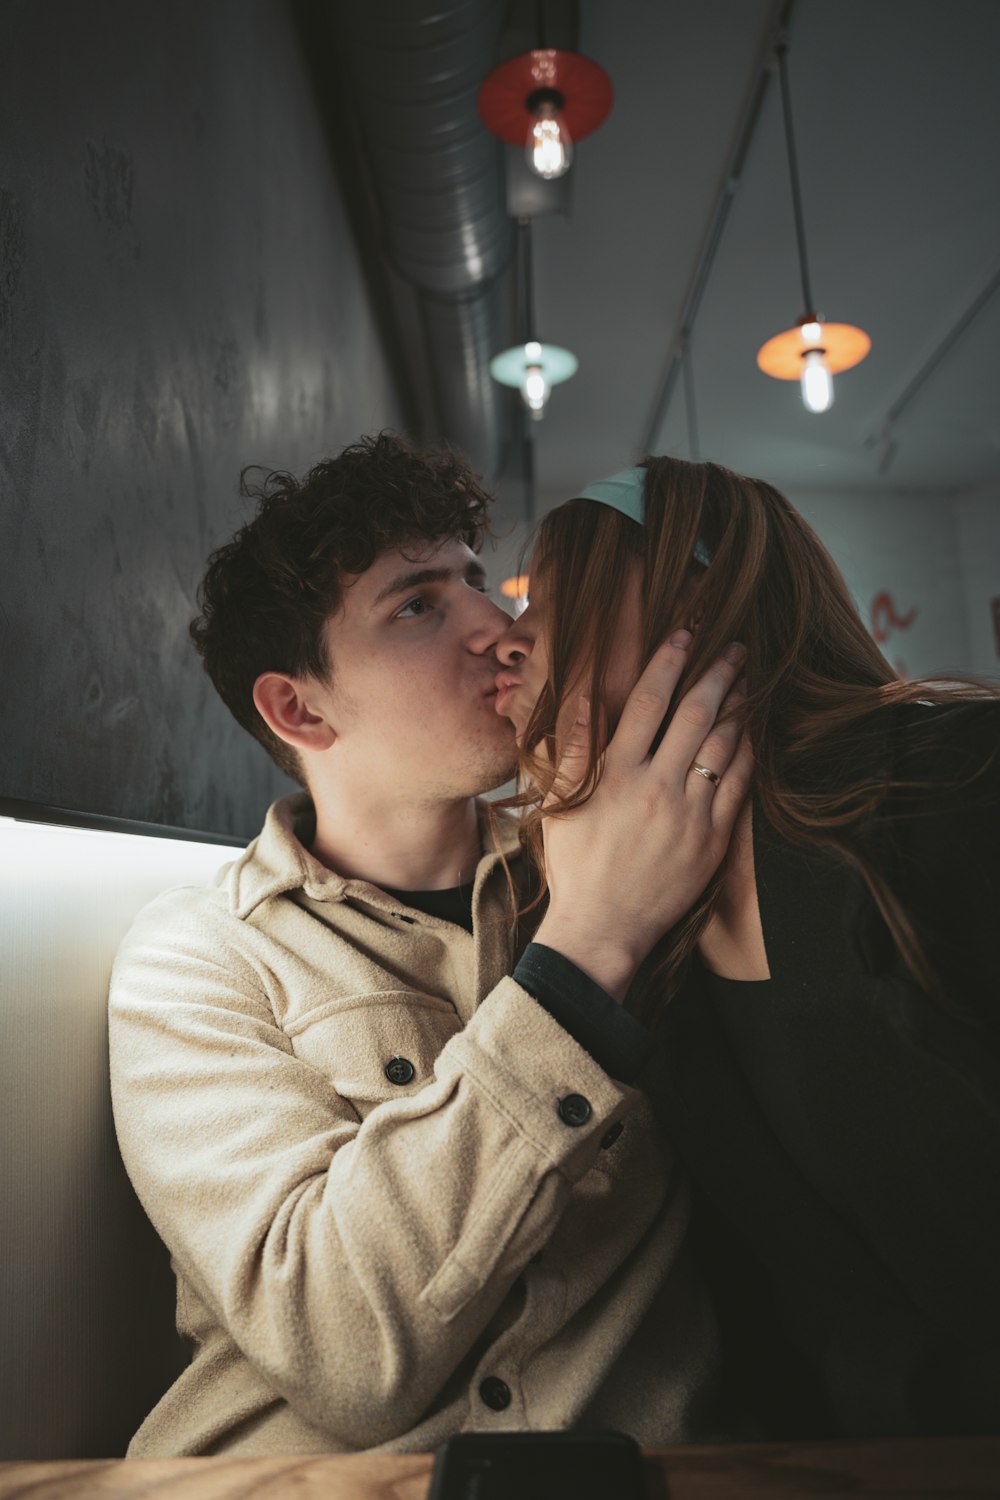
x: 412, y: 609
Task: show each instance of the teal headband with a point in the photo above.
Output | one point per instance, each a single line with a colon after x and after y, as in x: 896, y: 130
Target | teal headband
x: 624, y: 492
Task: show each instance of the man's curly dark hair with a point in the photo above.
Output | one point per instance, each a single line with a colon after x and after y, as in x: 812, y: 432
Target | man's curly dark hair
x: 267, y: 595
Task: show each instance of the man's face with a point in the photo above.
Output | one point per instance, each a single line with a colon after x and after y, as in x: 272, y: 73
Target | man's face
x: 412, y: 694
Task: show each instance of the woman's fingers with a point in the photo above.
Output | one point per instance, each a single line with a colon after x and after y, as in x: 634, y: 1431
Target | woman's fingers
x: 649, y: 701
x: 699, y: 734
x: 695, y: 730
x: 627, y: 865
x: 731, y: 792
x: 717, y: 749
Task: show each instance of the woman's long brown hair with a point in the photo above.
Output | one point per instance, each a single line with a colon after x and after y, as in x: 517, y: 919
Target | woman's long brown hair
x: 814, y: 674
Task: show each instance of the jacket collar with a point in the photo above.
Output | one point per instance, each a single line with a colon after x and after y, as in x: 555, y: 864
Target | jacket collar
x: 278, y: 860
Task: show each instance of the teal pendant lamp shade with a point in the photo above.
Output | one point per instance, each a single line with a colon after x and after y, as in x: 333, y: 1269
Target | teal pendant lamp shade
x: 533, y: 369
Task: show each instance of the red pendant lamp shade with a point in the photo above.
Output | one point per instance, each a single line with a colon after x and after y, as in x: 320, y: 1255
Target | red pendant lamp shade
x: 506, y: 99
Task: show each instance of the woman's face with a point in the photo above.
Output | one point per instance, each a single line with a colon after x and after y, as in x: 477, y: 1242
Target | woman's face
x: 523, y: 651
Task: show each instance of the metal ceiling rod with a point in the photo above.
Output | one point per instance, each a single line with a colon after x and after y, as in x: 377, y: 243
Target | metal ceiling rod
x: 882, y: 437
x: 777, y: 26
x: 690, y: 409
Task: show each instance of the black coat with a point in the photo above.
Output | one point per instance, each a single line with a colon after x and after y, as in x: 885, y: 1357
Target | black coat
x: 843, y: 1131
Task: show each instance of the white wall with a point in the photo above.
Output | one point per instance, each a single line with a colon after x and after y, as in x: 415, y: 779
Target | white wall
x: 977, y: 519
x: 901, y: 558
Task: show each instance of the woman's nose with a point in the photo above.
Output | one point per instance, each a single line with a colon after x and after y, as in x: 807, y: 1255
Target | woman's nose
x: 514, y: 645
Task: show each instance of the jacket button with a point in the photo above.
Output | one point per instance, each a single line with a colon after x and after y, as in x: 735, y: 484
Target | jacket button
x: 574, y: 1110
x: 495, y: 1393
x: 612, y: 1134
x: 399, y: 1070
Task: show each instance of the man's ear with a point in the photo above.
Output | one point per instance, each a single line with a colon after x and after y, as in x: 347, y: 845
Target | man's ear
x: 283, y: 704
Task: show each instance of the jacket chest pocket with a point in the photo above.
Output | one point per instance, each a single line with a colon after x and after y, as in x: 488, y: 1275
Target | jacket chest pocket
x: 375, y: 1047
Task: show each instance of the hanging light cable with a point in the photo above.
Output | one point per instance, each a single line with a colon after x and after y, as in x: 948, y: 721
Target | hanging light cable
x: 813, y: 351
x: 532, y: 367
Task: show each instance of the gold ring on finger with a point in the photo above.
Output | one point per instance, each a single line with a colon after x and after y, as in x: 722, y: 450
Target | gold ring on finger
x: 712, y: 776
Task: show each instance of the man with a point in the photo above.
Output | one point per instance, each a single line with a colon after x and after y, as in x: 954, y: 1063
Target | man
x: 405, y: 1183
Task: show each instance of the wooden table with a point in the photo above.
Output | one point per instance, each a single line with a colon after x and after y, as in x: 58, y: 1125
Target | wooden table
x: 929, y: 1469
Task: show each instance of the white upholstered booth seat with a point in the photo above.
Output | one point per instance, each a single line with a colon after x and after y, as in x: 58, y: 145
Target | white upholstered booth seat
x: 87, y: 1340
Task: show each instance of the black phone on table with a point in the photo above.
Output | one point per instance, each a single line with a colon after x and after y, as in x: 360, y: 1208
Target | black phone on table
x: 573, y: 1465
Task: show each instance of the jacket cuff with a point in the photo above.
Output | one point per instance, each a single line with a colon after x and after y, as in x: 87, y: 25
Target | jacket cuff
x: 614, y: 1039
x: 560, y: 1101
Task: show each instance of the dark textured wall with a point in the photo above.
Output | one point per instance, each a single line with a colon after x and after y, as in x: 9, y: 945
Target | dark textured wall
x: 179, y: 295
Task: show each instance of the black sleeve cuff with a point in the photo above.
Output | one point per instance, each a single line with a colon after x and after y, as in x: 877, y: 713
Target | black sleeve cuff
x: 615, y: 1040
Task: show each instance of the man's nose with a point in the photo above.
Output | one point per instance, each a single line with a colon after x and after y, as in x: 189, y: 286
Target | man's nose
x: 490, y: 625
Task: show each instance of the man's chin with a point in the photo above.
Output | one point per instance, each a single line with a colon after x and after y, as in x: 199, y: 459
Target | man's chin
x: 504, y: 769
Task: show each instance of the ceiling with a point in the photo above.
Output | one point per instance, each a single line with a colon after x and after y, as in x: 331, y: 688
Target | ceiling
x: 674, y: 229
x: 897, y: 122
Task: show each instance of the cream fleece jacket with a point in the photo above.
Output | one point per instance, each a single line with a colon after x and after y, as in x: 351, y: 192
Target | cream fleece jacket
x: 354, y: 1255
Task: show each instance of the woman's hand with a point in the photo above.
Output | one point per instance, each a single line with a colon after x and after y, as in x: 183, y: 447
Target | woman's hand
x: 625, y: 867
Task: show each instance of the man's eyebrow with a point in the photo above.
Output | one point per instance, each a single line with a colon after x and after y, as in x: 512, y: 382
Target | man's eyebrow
x: 474, y: 572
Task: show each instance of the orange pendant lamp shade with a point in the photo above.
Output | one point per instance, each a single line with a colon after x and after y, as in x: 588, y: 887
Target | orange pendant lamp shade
x: 843, y: 345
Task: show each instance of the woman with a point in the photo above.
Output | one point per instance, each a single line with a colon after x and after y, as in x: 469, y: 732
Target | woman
x: 824, y: 1023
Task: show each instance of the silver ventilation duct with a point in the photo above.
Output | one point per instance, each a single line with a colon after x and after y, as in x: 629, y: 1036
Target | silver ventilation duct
x: 435, y: 181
